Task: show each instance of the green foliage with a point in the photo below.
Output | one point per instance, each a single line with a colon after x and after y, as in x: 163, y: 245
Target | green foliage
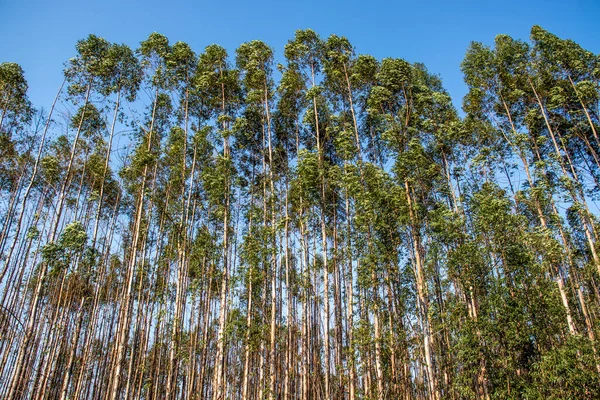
x: 460, y: 252
x: 88, y: 68
x: 73, y: 237
x: 15, y: 107
x: 566, y: 372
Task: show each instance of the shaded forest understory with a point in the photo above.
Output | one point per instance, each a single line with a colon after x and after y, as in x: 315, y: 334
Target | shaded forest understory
x: 206, y: 226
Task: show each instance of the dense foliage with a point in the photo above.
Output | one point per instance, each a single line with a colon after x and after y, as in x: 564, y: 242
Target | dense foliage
x: 184, y: 226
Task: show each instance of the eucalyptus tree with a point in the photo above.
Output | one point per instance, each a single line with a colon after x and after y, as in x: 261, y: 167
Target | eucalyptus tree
x: 332, y: 231
x: 254, y: 60
x: 70, y: 282
x: 305, y: 57
x: 255, y: 254
x: 399, y: 102
x: 218, y: 96
x: 287, y: 127
x: 177, y: 164
x: 494, y: 98
x: 544, y: 122
x: 16, y: 113
x: 566, y: 77
x: 529, y: 101
x: 121, y: 78
x: 28, y: 189
x: 513, y: 103
x: 348, y: 79
x: 154, y: 52
x: 83, y: 73
x: 15, y: 107
x: 573, y: 73
x: 568, y: 85
x: 298, y: 88
x: 516, y: 281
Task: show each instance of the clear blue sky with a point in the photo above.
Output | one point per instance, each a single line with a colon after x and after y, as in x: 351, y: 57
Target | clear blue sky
x: 41, y: 34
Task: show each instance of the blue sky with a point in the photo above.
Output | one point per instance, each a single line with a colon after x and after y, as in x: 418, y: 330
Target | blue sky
x: 41, y: 35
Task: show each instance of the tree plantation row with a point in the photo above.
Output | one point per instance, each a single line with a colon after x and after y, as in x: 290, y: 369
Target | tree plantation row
x: 211, y: 226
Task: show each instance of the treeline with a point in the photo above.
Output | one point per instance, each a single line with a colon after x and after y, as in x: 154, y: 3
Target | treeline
x: 214, y: 226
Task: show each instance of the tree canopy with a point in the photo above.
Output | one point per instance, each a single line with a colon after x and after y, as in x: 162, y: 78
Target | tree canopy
x: 314, y: 224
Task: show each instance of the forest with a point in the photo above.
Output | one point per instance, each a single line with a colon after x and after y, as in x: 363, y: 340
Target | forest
x: 318, y: 224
